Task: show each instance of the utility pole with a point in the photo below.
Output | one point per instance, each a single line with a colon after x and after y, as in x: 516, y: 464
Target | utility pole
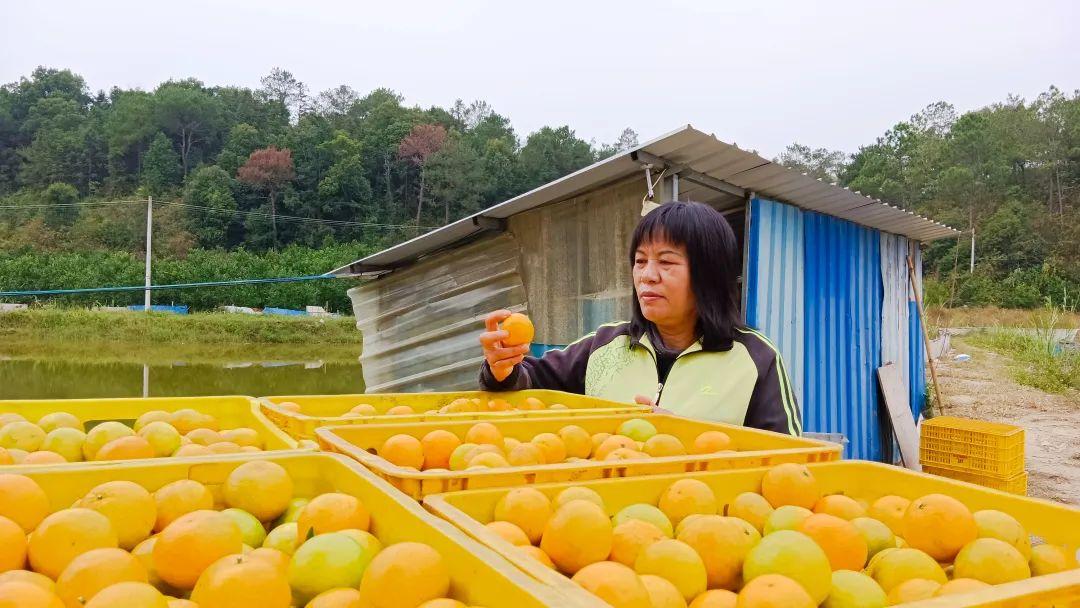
x: 149, y: 248
x: 971, y: 268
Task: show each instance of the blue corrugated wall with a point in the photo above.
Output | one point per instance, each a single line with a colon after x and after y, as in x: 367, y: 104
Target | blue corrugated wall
x: 842, y: 316
x: 916, y: 360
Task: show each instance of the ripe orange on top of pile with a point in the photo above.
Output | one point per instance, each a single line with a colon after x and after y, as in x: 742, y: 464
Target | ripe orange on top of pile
x: 61, y: 437
x: 785, y: 545
x: 483, y: 446
x: 122, y: 546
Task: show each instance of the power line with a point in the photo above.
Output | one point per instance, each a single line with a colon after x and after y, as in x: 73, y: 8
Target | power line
x: 56, y: 292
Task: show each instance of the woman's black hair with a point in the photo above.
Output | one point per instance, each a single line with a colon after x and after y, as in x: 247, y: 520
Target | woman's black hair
x: 712, y: 253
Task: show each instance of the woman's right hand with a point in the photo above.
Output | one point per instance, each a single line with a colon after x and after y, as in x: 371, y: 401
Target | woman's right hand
x: 500, y: 359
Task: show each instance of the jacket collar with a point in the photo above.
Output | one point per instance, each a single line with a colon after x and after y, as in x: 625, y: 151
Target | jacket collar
x: 644, y: 340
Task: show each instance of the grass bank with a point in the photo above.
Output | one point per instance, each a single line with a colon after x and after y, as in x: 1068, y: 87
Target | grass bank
x: 1037, y: 360
x: 992, y: 316
x: 73, y: 326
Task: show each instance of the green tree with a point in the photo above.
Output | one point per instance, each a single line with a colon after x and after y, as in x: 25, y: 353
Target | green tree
x: 820, y: 163
x: 62, y: 210
x: 161, y: 169
x: 187, y: 112
x: 210, y: 189
x: 243, y: 139
x: 550, y: 153
x: 457, y: 179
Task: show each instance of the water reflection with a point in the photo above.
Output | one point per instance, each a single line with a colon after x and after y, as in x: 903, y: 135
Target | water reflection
x: 29, y: 378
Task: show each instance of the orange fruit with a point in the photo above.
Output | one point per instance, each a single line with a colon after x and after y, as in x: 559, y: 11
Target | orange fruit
x: 442, y: 602
x: 499, y: 405
x: 939, y: 525
x: 752, y: 508
x: 532, y: 403
x: 840, y: 539
x: 242, y: 436
x: 509, y: 532
x: 43, y: 457
x: 403, y: 450
x: 960, y: 585
x: 18, y: 594
x: 12, y: 545
x: 400, y: 410
x: 538, y: 554
x: 329, y: 513
x: 894, y: 566
x: 1002, y: 526
x: 95, y: 570
x: 290, y: 406
x: 486, y: 460
x: 192, y: 449
x: 26, y: 576
x: 5, y: 457
x: 204, y: 436
x: 774, y: 591
x: 191, y: 543
x: 794, y: 555
x: 677, y: 562
x: 181, y: 603
x: 129, y: 507
x: 630, y: 537
x: 224, y: 447
x: 577, y: 534
x: 598, y: 439
x: 126, y: 448
x: 890, y: 510
x: 577, y: 441
x: 66, y: 534
x: 187, y: 420
x: 275, y: 558
x: 552, y: 446
x: 686, y: 497
x: 341, y: 597
x: 364, y: 409
x: 152, y: 416
x: 526, y: 455
x: 1048, y: 559
x: 662, y: 444
x: 839, y: 505
x: 662, y: 592
x: 405, y: 574
x: 722, y: 543
x: 715, y: 598
x: 992, y: 561
x: 144, y: 552
x: 578, y: 493
x: 519, y: 327
x: 790, y: 484
x: 527, y: 508
x: 237, y: 580
x: 612, y: 443
x: 25, y: 503
x: 178, y: 498
x: 484, y: 432
x: 615, y: 584
x: 129, y: 595
x: 711, y: 442
x: 437, y: 446
x: 260, y: 487
x: 913, y: 590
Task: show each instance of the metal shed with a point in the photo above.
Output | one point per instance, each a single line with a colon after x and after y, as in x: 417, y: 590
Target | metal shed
x: 825, y: 276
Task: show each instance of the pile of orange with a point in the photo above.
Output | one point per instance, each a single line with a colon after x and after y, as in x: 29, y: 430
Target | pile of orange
x: 461, y: 405
x: 123, y: 546
x: 62, y: 437
x: 786, y: 545
x: 483, y: 445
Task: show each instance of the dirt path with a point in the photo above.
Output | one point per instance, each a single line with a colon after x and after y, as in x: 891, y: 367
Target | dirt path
x: 982, y: 388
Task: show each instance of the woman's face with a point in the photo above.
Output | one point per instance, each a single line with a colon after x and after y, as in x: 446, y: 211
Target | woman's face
x: 662, y: 283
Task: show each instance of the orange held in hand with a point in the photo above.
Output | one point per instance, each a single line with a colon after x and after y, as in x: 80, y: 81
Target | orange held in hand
x: 520, y: 328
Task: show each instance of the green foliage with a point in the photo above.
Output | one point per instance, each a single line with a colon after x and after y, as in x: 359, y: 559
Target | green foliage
x: 552, y: 153
x: 161, y: 166
x: 209, y: 188
x: 61, y: 198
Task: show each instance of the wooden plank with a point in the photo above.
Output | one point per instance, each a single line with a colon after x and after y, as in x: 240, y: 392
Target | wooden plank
x: 903, y: 424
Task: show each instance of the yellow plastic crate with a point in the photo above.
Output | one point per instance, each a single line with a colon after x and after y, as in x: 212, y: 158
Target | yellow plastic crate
x: 1017, y: 484
x: 978, y: 446
x: 230, y: 411
x: 1056, y: 523
x: 478, y: 575
x: 328, y: 410
x: 757, y: 448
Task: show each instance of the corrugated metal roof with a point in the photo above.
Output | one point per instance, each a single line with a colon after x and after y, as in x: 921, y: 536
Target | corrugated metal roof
x: 690, y: 149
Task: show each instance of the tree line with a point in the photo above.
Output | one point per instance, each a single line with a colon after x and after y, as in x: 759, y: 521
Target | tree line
x: 251, y: 172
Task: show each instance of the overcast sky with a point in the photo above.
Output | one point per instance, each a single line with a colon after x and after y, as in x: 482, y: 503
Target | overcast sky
x: 760, y: 74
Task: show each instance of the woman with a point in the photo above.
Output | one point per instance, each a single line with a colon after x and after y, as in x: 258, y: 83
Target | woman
x: 684, y: 348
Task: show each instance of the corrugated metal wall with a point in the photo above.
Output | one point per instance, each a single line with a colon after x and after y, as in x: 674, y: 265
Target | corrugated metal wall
x: 774, y: 268
x: 843, y: 332
x: 917, y: 350
x: 895, y: 327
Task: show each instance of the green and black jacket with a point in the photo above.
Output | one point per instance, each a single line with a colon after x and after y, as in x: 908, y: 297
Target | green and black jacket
x: 745, y: 384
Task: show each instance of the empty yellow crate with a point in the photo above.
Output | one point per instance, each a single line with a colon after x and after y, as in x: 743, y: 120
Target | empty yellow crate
x: 963, y: 444
x: 1016, y: 484
x: 478, y: 576
x: 1056, y: 523
x: 756, y: 448
x: 230, y: 411
x: 327, y: 410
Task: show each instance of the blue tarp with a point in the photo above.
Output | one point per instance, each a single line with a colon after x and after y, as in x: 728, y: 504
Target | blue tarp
x: 179, y: 310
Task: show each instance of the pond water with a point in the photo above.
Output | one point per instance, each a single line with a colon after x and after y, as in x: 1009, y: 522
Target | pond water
x: 258, y: 371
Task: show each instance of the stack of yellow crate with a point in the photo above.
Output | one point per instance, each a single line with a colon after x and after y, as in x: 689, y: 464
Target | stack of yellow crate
x: 990, y: 454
